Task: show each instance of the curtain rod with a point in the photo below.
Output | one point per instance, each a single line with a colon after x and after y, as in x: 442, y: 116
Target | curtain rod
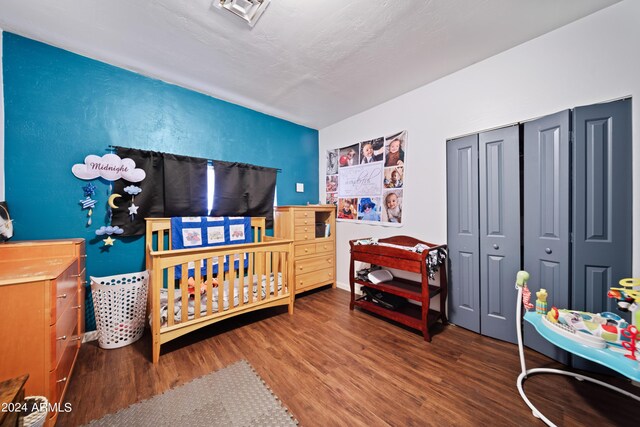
x: 111, y: 147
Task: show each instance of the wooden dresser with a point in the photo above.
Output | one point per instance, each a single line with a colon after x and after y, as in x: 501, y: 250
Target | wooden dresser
x: 42, y: 295
x: 312, y: 229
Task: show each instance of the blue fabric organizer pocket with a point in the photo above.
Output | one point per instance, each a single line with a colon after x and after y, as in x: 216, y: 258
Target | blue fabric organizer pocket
x: 198, y: 232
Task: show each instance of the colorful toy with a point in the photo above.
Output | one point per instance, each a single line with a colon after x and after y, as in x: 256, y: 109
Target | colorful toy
x: 521, y: 281
x: 608, y: 326
x: 553, y: 315
x: 541, y: 302
x: 628, y: 298
x: 191, y: 288
x: 631, y: 332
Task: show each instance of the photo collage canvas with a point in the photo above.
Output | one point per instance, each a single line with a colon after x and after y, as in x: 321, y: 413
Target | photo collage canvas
x: 366, y: 180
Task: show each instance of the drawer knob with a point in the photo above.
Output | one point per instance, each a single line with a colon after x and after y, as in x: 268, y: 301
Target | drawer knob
x: 306, y: 250
x: 77, y: 306
x: 63, y: 296
x: 62, y: 380
x: 62, y: 338
x: 76, y: 338
x: 79, y: 274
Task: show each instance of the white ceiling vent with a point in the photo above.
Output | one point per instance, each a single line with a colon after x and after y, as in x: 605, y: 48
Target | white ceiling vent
x: 249, y: 10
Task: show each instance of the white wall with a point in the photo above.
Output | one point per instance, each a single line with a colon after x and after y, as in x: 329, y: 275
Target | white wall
x: 1, y: 124
x: 592, y: 60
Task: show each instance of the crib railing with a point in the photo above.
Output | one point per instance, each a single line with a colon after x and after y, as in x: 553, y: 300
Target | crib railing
x: 236, y: 265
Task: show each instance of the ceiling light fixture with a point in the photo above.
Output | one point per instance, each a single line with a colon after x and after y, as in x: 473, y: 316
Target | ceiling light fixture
x: 249, y: 10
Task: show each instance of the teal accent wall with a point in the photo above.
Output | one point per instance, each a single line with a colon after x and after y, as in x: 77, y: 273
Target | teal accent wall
x: 61, y: 107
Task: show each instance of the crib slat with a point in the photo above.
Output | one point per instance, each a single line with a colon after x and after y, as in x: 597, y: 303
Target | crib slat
x: 241, y: 277
x: 267, y: 274
x: 285, y: 272
x: 250, y: 275
x: 221, y: 284
x: 160, y: 240
x: 184, y: 293
x: 209, y: 286
x: 171, y: 289
x: 276, y: 263
x: 263, y: 265
x: 196, y: 288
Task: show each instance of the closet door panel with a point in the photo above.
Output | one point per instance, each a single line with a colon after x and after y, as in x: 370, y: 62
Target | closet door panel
x: 546, y: 217
x: 462, y: 232
x: 499, y: 172
x: 602, y: 211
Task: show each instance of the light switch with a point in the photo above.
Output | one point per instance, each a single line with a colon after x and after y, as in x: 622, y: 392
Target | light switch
x: 299, y: 187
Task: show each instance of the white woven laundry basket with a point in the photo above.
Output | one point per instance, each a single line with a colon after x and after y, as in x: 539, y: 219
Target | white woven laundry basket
x: 120, y: 304
x: 36, y: 413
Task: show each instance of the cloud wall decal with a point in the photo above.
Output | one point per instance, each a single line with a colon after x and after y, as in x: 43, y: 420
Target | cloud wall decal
x: 110, y: 167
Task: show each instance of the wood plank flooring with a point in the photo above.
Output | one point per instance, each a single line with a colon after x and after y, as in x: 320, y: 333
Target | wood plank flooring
x: 335, y: 367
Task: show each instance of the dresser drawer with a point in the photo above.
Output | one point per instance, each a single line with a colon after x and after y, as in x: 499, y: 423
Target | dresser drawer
x: 63, y: 291
x: 324, y: 247
x: 301, y: 235
x: 59, y: 377
x: 304, y: 217
x: 302, y: 250
x: 63, y: 334
x: 309, y: 280
x: 313, y: 264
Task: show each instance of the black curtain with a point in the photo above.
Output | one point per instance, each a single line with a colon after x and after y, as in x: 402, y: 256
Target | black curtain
x: 173, y: 186
x: 243, y: 190
x: 185, y: 186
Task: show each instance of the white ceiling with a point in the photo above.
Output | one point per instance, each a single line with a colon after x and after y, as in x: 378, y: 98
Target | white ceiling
x: 313, y: 62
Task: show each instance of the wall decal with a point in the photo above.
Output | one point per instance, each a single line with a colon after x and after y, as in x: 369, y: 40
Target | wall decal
x: 110, y: 167
x: 112, y: 199
x: 109, y: 230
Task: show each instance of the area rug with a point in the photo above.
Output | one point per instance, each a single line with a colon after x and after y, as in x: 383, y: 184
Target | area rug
x: 232, y: 396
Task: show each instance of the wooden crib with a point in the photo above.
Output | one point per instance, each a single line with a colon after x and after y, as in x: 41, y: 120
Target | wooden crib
x: 269, y: 261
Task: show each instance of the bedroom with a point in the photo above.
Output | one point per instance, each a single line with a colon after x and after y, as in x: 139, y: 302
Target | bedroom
x: 46, y: 101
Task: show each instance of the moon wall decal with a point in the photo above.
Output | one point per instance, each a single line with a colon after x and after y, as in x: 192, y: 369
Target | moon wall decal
x: 112, y: 199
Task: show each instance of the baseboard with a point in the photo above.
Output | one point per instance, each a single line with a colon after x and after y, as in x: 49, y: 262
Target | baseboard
x: 344, y: 286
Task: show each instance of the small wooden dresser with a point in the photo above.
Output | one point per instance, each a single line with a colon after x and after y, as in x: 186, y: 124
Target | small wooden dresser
x: 312, y: 229
x: 42, y: 294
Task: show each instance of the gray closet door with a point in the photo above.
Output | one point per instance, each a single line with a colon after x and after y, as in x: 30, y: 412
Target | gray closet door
x: 602, y: 211
x: 499, y: 180
x: 546, y: 218
x: 462, y: 232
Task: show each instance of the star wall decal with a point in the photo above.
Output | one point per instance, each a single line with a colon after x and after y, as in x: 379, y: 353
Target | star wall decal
x: 133, y: 209
x: 108, y: 241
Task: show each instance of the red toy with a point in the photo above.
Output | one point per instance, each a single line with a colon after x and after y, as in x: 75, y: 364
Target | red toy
x: 631, y: 332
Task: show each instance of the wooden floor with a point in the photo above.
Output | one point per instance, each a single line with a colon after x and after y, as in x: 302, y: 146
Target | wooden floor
x: 335, y: 367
